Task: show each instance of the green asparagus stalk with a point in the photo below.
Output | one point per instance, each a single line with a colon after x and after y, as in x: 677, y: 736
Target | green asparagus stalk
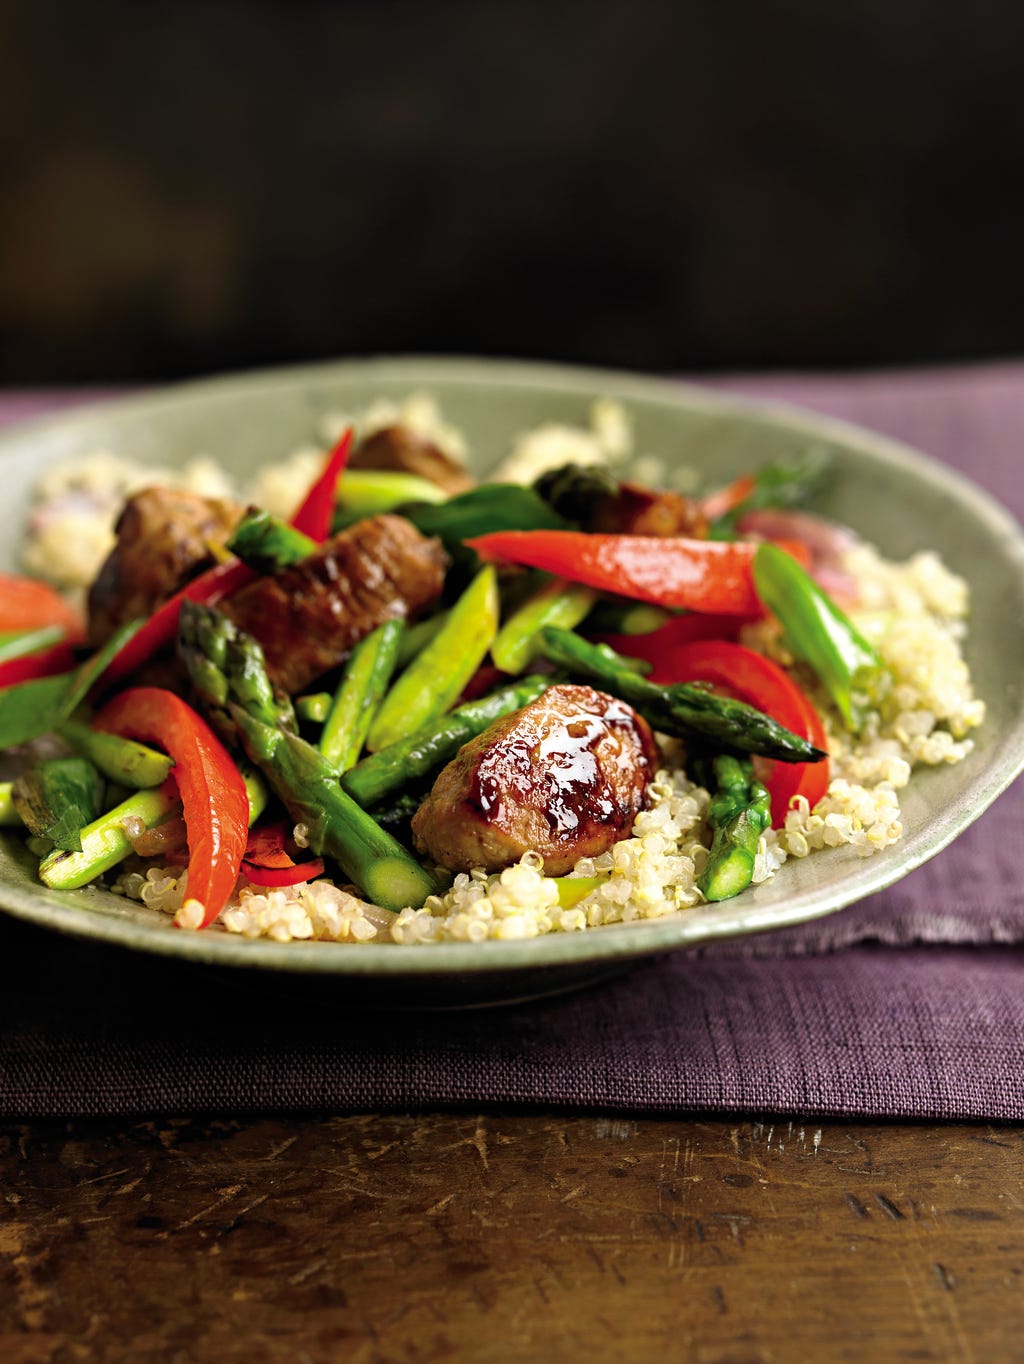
x: 435, y: 678
x: 57, y: 798
x: 120, y: 760
x: 619, y: 616
x: 739, y: 813
x: 558, y: 603
x: 206, y: 641
x: 683, y: 709
x: 106, y: 842
x: 359, y: 695
x: 9, y: 817
x: 817, y: 631
x: 314, y: 707
x: 381, y: 774
x: 268, y: 544
x: 416, y: 637
x: 224, y: 664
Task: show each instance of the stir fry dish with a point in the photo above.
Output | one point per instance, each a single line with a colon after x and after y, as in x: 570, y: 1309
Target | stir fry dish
x: 410, y: 707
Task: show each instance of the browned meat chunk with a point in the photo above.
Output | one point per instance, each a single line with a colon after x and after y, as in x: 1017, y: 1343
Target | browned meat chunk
x: 398, y: 448
x: 635, y: 510
x: 163, y: 539
x: 309, y: 616
x: 564, y: 776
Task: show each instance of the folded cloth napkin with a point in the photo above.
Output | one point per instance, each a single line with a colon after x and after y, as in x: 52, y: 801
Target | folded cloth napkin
x: 907, y: 1005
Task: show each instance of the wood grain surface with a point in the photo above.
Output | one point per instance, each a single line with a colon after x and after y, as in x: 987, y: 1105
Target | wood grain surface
x: 503, y: 1238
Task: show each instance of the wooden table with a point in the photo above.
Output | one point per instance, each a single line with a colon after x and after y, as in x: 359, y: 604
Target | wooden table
x: 509, y: 1237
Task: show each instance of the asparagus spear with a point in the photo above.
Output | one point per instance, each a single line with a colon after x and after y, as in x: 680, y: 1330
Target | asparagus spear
x: 57, y: 798
x: 382, y: 773
x: 558, y: 602
x: 206, y: 640
x: 359, y: 695
x: 267, y: 544
x: 416, y: 637
x: 105, y: 842
x: 683, y: 709
x: 821, y: 634
x: 314, y: 706
x: 226, y: 665
x: 739, y: 813
x: 436, y: 677
x: 124, y: 761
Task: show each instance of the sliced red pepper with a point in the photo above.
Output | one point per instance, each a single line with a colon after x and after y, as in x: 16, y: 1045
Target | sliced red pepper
x: 26, y: 603
x: 316, y: 510
x: 656, y: 646
x: 267, y: 861
x: 59, y: 658
x: 760, y: 682
x: 213, y: 795
x: 160, y: 631
x: 727, y: 499
x: 674, y: 571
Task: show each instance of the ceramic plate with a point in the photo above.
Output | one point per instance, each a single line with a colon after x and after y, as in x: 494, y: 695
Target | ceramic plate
x: 894, y: 496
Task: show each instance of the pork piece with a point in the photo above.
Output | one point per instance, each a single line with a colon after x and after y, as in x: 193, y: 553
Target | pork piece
x: 636, y: 510
x: 309, y: 616
x: 564, y: 776
x: 164, y: 538
x: 593, y: 497
x: 397, y: 448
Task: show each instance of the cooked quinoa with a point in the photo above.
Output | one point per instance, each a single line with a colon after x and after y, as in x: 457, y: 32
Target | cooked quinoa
x: 913, y: 612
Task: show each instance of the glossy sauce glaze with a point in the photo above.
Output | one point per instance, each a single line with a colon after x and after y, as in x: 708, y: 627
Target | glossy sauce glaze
x: 564, y: 776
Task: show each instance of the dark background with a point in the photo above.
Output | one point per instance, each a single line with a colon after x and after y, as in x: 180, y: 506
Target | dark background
x: 194, y: 186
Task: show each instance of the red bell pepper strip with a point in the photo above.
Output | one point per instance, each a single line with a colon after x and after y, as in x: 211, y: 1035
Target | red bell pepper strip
x: 268, y: 863
x: 674, y: 571
x: 26, y: 603
x: 760, y: 682
x: 212, y: 791
x: 316, y: 510
x: 59, y: 658
x: 655, y: 646
x: 161, y: 629
x: 727, y: 499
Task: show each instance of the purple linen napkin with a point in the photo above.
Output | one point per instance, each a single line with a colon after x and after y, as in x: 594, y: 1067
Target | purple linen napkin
x: 766, y: 1025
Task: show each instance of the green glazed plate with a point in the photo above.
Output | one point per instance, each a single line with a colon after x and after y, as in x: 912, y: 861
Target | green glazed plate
x: 892, y: 495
